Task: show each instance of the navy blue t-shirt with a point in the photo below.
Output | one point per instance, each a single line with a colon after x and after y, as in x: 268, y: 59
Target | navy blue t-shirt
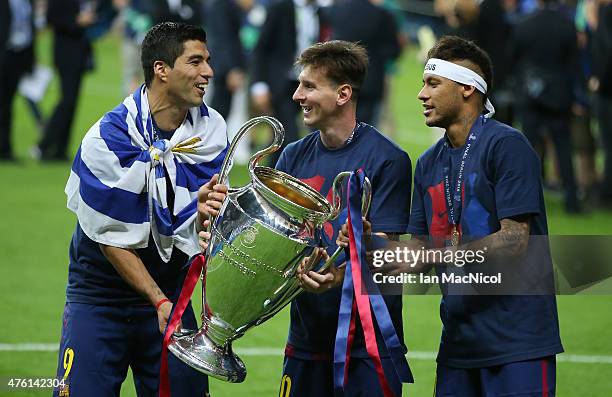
x: 501, y: 180
x: 314, y: 317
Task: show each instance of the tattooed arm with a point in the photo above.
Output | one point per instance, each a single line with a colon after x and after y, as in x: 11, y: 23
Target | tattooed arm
x: 510, y: 240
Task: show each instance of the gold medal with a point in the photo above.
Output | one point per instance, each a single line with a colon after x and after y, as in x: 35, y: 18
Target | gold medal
x: 454, y: 236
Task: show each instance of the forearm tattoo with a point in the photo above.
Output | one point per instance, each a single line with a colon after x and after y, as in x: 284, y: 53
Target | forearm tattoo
x: 510, y: 241
x: 513, y: 236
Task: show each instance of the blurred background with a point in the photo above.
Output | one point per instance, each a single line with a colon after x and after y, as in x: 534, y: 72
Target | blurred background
x: 64, y: 63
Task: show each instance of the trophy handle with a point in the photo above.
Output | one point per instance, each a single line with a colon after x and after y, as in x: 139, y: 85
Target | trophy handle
x: 279, y: 136
x: 366, y: 200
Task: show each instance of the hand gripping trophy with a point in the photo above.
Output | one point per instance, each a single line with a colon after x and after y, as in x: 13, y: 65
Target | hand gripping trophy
x: 259, y: 239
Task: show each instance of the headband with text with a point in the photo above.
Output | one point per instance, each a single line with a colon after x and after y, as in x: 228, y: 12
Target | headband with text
x: 461, y: 75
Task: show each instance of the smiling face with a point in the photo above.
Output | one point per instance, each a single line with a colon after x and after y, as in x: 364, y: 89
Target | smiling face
x: 188, y: 78
x: 442, y: 100
x: 318, y: 97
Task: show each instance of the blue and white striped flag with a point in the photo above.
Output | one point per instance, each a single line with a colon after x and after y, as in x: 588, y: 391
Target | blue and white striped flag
x: 117, y: 185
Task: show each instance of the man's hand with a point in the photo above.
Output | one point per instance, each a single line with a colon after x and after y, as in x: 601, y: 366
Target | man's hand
x: 163, y: 316
x: 210, y: 200
x: 204, y: 237
x: 317, y: 283
x: 343, y: 235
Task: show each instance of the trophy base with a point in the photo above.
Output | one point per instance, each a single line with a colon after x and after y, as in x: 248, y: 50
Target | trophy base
x: 202, y: 354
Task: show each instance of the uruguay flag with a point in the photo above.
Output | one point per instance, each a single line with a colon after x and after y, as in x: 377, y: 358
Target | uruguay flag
x: 117, y: 185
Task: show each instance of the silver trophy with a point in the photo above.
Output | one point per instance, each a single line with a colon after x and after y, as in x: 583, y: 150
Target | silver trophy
x: 262, y: 234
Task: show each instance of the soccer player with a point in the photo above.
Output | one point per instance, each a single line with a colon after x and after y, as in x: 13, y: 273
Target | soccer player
x: 481, y: 182
x: 328, y: 90
x: 133, y: 184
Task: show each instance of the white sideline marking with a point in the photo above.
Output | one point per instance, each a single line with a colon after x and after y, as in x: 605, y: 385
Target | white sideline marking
x: 29, y: 347
x: 276, y: 352
x: 579, y: 358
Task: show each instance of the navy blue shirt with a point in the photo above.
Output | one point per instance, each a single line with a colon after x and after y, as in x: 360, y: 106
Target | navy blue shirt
x: 501, y: 180
x: 314, y: 317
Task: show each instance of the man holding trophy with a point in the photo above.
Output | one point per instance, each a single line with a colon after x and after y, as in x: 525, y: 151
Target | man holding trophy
x: 328, y: 90
x: 132, y: 186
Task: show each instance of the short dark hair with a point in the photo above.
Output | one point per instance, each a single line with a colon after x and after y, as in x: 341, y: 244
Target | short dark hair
x: 343, y: 62
x: 164, y: 42
x: 453, y: 48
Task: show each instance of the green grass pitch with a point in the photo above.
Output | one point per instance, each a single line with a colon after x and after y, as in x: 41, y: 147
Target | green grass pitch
x: 36, y: 229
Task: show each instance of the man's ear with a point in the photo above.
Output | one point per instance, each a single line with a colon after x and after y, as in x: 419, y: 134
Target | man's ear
x: 468, y: 90
x: 345, y: 94
x: 160, y: 68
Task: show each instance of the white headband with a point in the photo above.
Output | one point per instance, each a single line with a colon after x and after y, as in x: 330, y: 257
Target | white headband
x: 461, y: 75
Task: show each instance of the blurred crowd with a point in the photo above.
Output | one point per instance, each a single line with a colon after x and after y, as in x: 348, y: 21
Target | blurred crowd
x: 552, y: 65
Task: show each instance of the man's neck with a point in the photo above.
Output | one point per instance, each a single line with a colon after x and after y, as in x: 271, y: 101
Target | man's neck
x: 336, y: 135
x: 458, y: 131
x: 167, y: 117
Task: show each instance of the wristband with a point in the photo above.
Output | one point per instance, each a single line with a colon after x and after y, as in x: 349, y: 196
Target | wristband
x: 161, y: 302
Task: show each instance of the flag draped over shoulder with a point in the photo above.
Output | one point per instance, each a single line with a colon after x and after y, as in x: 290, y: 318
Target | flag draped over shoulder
x: 117, y: 185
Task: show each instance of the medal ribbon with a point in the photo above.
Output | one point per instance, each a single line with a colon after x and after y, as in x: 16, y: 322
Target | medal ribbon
x: 453, y: 200
x: 355, y: 300
x: 198, y: 264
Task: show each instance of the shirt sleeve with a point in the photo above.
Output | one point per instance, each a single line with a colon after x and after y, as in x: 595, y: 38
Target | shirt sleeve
x: 418, y: 221
x: 390, y: 208
x: 516, y: 178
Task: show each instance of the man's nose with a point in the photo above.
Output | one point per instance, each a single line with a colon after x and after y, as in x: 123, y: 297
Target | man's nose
x: 207, y: 70
x: 297, y: 95
x: 422, y: 95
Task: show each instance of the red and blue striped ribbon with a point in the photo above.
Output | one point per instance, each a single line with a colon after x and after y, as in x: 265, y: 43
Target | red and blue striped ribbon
x: 355, y: 300
x: 198, y: 264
